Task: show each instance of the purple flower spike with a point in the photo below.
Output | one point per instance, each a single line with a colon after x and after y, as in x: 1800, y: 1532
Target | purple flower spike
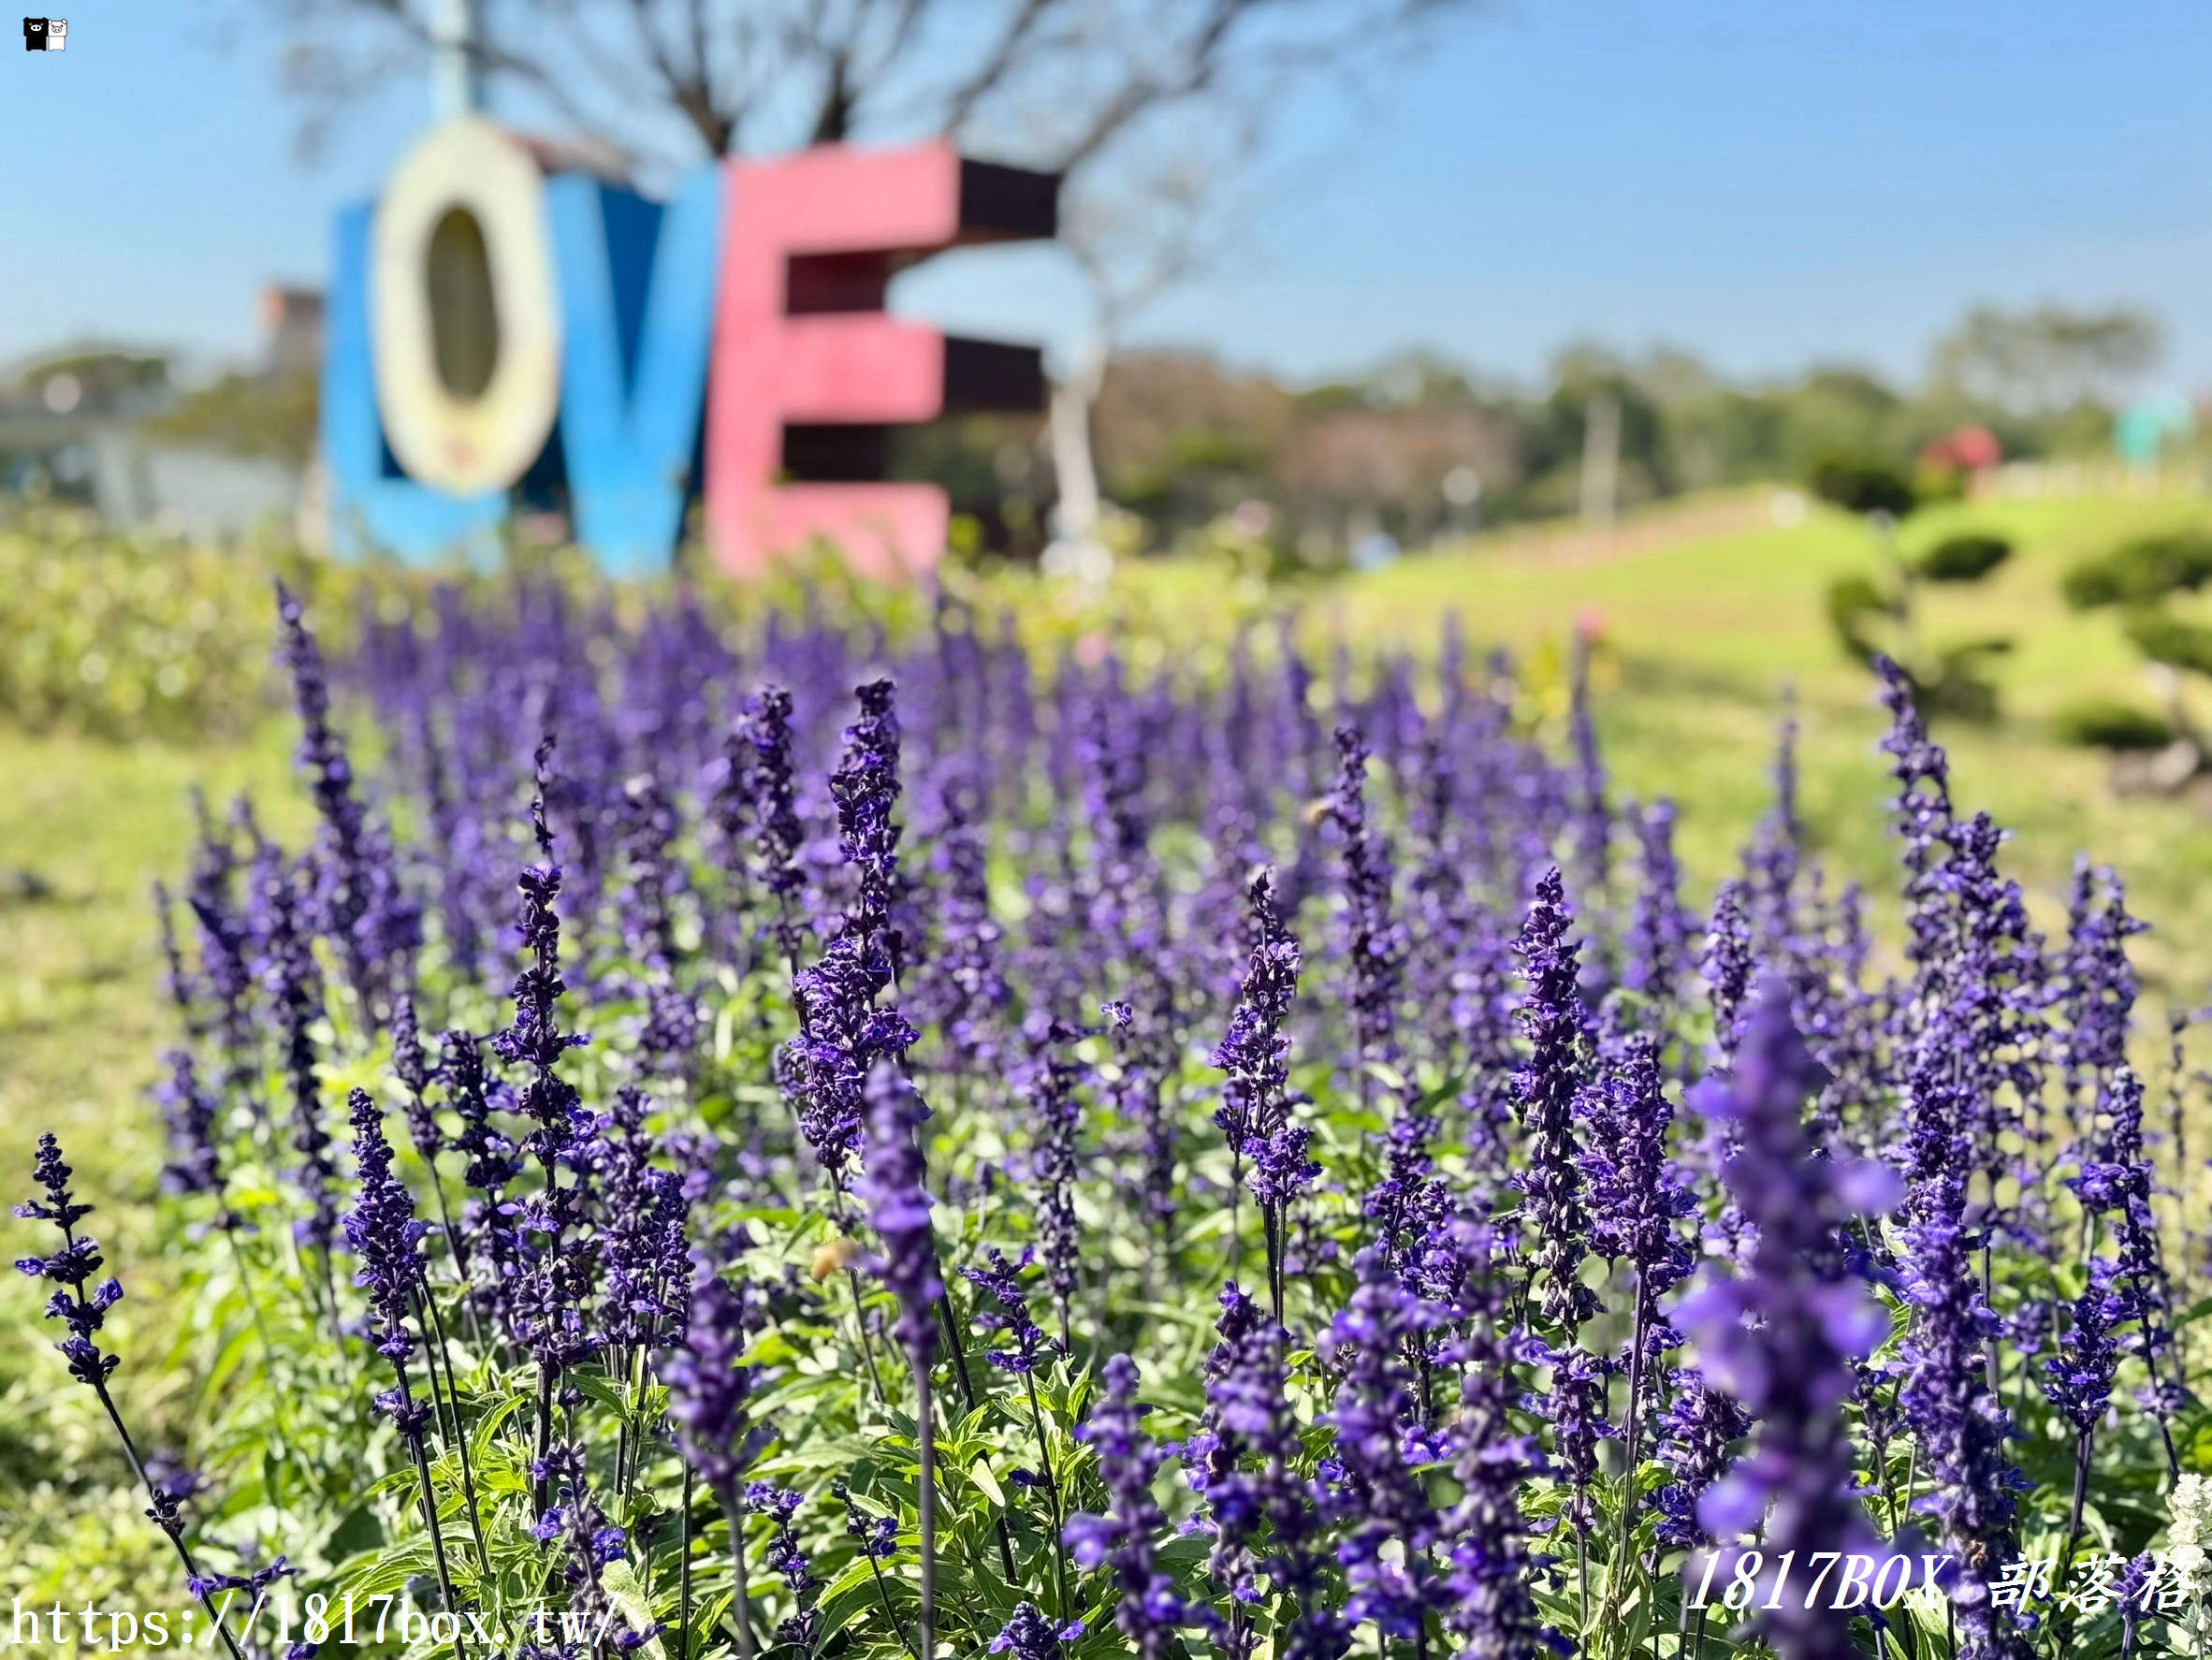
x: 891, y: 1186
x: 1148, y: 1610
x: 1546, y: 1086
x: 1780, y: 1339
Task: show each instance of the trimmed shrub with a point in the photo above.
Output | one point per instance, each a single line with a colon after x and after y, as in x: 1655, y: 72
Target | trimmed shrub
x: 1965, y: 557
x: 2107, y: 724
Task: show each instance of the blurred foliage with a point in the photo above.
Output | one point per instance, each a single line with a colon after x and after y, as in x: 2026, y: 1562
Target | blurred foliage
x: 2170, y: 640
x: 1966, y: 558
x: 125, y: 635
x: 247, y: 414
x: 1182, y: 439
x: 1857, y: 485
x: 2142, y: 571
x: 2149, y: 579
x: 2107, y: 724
x: 1870, y: 615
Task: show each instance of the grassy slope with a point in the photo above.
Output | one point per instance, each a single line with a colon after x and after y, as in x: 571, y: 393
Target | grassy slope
x: 1706, y: 632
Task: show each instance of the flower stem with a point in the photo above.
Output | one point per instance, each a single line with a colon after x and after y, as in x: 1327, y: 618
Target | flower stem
x: 683, y: 1592
x: 741, y: 1601
x: 460, y: 1439
x: 925, y: 1509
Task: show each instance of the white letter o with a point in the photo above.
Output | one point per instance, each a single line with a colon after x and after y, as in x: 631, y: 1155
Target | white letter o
x: 468, y: 399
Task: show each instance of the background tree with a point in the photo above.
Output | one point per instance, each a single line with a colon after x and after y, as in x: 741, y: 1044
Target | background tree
x: 2047, y: 361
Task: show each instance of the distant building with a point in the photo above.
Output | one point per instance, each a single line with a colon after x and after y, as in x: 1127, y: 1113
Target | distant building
x: 292, y: 329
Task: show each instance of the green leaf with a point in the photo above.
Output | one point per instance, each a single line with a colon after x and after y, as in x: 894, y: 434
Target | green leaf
x: 979, y: 1473
x: 619, y: 1582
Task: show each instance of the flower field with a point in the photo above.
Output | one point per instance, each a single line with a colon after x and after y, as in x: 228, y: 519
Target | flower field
x: 811, y: 1140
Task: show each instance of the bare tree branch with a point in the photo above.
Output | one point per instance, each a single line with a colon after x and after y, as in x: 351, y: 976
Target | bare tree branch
x: 997, y: 63
x: 1145, y: 106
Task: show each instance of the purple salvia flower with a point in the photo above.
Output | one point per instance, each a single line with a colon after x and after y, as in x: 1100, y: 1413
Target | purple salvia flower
x: 76, y: 1260
x: 2077, y: 1380
x: 1375, y: 943
x: 1698, y: 1430
x: 292, y: 987
x: 194, y: 1160
x: 1148, y: 1609
x: 547, y: 1297
x: 2099, y: 996
x: 1488, y: 1602
x: 1656, y: 949
x: 735, y: 818
x: 1484, y: 1011
x: 1727, y: 971
x: 83, y: 1314
x: 1945, y: 1396
x: 1546, y: 1086
x: 382, y: 1231
x: 1635, y: 1195
x: 876, y: 1537
x: 1637, y: 1201
x: 1374, y: 1491
x: 493, y: 1159
x: 1779, y: 1338
x: 780, y: 1506
x: 842, y: 1032
x: 1238, y: 1461
x: 1022, y: 1344
x: 642, y: 1210
x: 587, y: 1543
x: 227, y: 972
x: 2115, y: 1182
x: 710, y: 1389
x: 866, y: 789
x: 457, y: 832
x: 1047, y: 1089
x: 1923, y: 809
x: 964, y: 995
x: 891, y: 1186
x: 358, y: 904
x: 414, y: 1072
x: 1573, y: 1407
x: 1987, y: 995
x: 176, y: 979
x: 2130, y: 1589
x: 1255, y: 1111
x: 1029, y: 1636
x: 1125, y: 914
x: 1441, y: 898
x: 1727, y: 967
x: 668, y: 1030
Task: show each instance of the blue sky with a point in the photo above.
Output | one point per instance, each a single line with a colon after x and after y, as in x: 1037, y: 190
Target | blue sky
x: 1763, y: 185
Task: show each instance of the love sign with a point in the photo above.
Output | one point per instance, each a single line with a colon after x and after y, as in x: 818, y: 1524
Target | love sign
x: 500, y: 328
